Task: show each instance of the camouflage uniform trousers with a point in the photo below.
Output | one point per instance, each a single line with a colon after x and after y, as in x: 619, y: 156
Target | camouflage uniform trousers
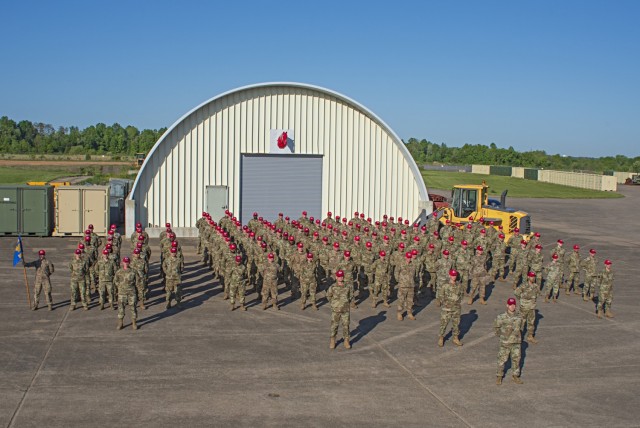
x: 125, y: 299
x: 450, y: 315
x: 478, y: 283
x: 270, y: 289
x: 308, y: 286
x: 497, y: 267
x: 604, y: 300
x: 79, y: 292
x: 552, y: 286
x: 464, y: 278
x: 173, y: 290
x: 573, y: 282
x: 42, y: 282
x: 340, y: 318
x: 405, y: 298
x: 107, y: 290
x: 530, y: 316
x: 380, y: 286
x: 589, y: 287
x: 87, y: 285
x: 520, y: 273
x: 429, y: 277
x: 504, y: 352
x: 142, y: 288
x: 237, y: 290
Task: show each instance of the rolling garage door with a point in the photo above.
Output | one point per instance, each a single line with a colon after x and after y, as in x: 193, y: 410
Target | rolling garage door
x: 290, y: 184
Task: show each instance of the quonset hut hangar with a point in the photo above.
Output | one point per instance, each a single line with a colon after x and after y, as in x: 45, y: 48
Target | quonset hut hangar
x: 270, y: 148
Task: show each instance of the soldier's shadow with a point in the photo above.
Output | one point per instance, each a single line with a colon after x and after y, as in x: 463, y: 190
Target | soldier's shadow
x: 186, y: 305
x: 466, y: 321
x: 536, y: 323
x: 366, y: 325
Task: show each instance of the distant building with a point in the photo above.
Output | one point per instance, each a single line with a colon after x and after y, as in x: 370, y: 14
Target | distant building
x: 275, y: 147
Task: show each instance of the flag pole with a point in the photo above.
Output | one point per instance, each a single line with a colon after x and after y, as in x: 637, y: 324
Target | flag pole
x: 26, y: 284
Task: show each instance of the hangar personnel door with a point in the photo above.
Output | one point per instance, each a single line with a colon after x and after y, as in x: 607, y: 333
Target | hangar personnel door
x: 217, y: 201
x: 290, y: 184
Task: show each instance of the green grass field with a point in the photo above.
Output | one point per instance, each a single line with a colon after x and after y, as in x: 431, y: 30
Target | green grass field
x: 20, y: 174
x: 518, y: 187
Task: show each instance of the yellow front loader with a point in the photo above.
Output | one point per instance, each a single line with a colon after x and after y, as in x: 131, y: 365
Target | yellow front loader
x: 472, y: 200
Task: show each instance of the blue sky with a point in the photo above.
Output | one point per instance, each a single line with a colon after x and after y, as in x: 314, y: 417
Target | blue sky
x: 560, y: 76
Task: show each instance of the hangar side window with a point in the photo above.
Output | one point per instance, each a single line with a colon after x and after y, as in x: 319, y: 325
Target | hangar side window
x: 464, y: 202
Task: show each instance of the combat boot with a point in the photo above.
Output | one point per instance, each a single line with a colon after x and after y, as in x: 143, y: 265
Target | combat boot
x: 438, y: 303
x: 102, y: 306
x: 332, y: 343
x: 232, y: 307
x: 374, y: 303
x: 86, y: 308
x: 482, y: 301
x: 599, y: 313
x: 555, y: 300
x: 546, y: 299
x: 315, y: 306
x: 531, y: 339
x: 264, y: 306
x: 608, y: 314
x: 226, y: 296
x: 120, y: 322
x: 134, y: 325
x: 50, y: 307
x: 386, y: 304
x: 441, y: 341
x: 457, y: 342
x: 275, y: 305
x: 34, y: 307
x: 516, y: 379
x: 168, y: 306
x: 72, y: 307
x: 302, y: 306
x: 243, y: 307
x: 499, y: 380
x: 410, y: 316
x: 470, y: 301
x: 399, y: 316
x: 501, y: 279
x: 347, y: 345
x: 142, y: 305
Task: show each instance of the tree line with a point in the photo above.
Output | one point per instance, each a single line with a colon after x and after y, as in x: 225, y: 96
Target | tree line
x: 26, y: 137
x: 424, y: 151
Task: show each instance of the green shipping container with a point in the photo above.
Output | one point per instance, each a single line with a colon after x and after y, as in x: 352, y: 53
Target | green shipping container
x: 500, y: 170
x: 531, y: 174
x: 26, y: 210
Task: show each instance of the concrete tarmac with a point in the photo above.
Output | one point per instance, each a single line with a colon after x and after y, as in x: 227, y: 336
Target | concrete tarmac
x: 206, y: 366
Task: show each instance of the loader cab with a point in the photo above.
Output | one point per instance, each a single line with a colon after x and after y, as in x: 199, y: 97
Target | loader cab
x: 466, y: 200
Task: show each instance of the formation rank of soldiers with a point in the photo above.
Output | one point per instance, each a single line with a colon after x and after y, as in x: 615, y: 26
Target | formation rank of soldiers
x: 351, y: 261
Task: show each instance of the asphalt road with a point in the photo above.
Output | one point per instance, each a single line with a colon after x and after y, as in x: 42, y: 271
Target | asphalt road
x: 207, y: 366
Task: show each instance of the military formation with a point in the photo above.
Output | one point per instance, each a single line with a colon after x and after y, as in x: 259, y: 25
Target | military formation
x: 350, y: 262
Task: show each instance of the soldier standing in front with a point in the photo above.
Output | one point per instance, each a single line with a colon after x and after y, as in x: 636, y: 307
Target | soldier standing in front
x: 340, y: 295
x: 125, y: 281
x: 528, y: 295
x: 44, y: 269
x: 508, y: 327
x: 450, y: 295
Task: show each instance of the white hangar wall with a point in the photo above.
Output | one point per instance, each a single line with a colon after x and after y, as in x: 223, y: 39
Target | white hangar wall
x: 365, y: 166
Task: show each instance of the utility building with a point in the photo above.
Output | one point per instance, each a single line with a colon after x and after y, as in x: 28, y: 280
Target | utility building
x: 275, y: 147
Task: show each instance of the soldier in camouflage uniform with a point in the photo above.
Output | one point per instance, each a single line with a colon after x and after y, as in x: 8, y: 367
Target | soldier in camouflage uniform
x: 78, y: 268
x: 125, y: 281
x: 553, y: 279
x: 270, y: 282
x: 514, y: 247
x: 405, y: 274
x: 340, y: 295
x: 589, y: 264
x: 444, y: 265
x: 173, y: 271
x: 508, y: 327
x: 381, y: 278
x: 140, y: 267
x: 574, y: 271
x: 44, y: 269
x: 522, y: 263
x: 528, y: 294
x: 536, y: 260
x: 450, y: 294
x: 479, y: 275
x: 605, y: 292
x: 308, y: 282
x: 106, y: 268
x: 237, y: 283
x: 498, y: 258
